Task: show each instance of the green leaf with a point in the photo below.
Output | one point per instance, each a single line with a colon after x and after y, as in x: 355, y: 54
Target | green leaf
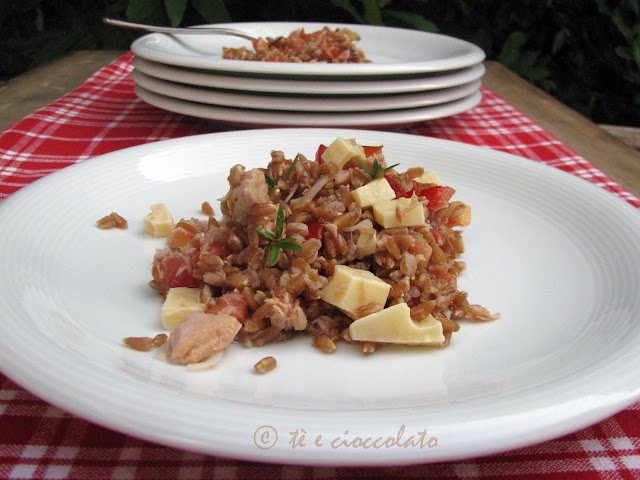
x: 365, y: 169
x: 279, y: 222
x: 290, y: 169
x: 511, y: 49
x: 266, y: 233
x: 272, y: 254
x: 213, y: 11
x: 348, y: 6
x: 414, y: 20
x: 270, y: 181
x: 138, y: 10
x: 289, y: 244
x: 536, y: 73
x: 624, y: 52
x: 372, y: 13
x: 175, y: 10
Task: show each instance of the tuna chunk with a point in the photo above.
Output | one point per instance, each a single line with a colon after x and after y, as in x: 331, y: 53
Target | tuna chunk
x: 283, y: 311
x: 199, y: 336
x: 253, y: 190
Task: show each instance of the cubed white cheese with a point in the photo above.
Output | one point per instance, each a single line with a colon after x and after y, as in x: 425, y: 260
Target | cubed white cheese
x: 341, y: 151
x: 354, y: 291
x: 367, y: 242
x: 394, y: 325
x: 159, y: 222
x: 180, y: 301
x: 375, y: 191
x: 401, y: 212
x: 428, y: 178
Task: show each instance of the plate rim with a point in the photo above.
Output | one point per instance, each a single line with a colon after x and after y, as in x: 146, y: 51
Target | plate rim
x: 473, y: 55
x: 291, y: 103
x: 287, y: 119
x: 301, y: 87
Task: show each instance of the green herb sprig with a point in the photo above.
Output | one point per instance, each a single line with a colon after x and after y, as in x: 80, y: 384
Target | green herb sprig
x: 377, y: 171
x: 273, y: 182
x: 272, y: 251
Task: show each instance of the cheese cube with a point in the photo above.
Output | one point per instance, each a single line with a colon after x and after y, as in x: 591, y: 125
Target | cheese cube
x: 401, y: 212
x: 159, y: 222
x: 375, y: 191
x: 367, y: 242
x: 428, y: 178
x: 179, y: 302
x: 394, y: 325
x: 341, y: 151
x: 355, y: 291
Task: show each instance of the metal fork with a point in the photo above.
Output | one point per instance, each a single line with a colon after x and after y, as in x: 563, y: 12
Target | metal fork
x: 186, y: 30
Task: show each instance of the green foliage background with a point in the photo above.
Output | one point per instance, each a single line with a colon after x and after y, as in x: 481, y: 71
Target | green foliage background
x: 584, y: 52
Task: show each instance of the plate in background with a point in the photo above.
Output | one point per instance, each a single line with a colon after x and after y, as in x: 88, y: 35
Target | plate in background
x: 302, y: 104
x: 392, y: 51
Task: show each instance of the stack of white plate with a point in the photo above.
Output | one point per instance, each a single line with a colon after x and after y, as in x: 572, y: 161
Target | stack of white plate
x: 413, y: 76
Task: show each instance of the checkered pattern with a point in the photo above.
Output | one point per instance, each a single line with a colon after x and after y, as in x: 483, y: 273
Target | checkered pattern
x: 40, y: 441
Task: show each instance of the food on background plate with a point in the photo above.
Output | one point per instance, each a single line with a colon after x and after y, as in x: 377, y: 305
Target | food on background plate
x: 340, y: 247
x: 322, y: 46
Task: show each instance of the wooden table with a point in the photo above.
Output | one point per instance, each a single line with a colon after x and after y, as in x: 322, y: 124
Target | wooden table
x: 24, y: 94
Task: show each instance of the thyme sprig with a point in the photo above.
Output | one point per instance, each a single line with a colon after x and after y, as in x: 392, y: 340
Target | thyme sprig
x: 377, y: 171
x: 273, y: 182
x: 277, y: 244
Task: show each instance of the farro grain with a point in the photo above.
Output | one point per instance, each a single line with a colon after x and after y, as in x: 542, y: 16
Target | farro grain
x: 265, y: 365
x: 324, y: 344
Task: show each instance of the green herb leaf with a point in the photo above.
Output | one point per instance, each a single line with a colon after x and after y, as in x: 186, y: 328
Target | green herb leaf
x: 270, y: 181
x: 289, y: 244
x: 266, y: 234
x: 272, y: 255
x: 290, y: 169
x: 279, y: 222
x: 365, y: 169
x: 377, y: 169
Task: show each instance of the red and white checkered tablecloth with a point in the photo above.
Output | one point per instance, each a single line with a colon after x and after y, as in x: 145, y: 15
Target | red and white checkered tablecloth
x: 38, y: 440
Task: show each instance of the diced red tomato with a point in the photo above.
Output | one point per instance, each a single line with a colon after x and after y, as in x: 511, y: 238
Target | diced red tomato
x: 260, y: 44
x: 439, y: 237
x: 319, y: 153
x: 232, y: 303
x: 316, y: 230
x: 220, y: 249
x: 437, y: 197
x: 399, y: 191
x: 173, y: 270
x: 330, y: 50
x: 368, y: 150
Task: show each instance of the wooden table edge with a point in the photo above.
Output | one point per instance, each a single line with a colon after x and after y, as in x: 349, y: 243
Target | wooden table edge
x: 42, y: 85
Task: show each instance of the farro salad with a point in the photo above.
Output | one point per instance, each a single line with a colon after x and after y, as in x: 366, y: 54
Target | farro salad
x: 341, y: 248
x: 322, y: 46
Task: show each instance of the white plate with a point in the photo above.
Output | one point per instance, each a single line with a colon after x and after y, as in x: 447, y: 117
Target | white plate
x: 392, y: 51
x: 309, y: 87
x: 553, y: 253
x: 302, y: 104
x: 272, y: 118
